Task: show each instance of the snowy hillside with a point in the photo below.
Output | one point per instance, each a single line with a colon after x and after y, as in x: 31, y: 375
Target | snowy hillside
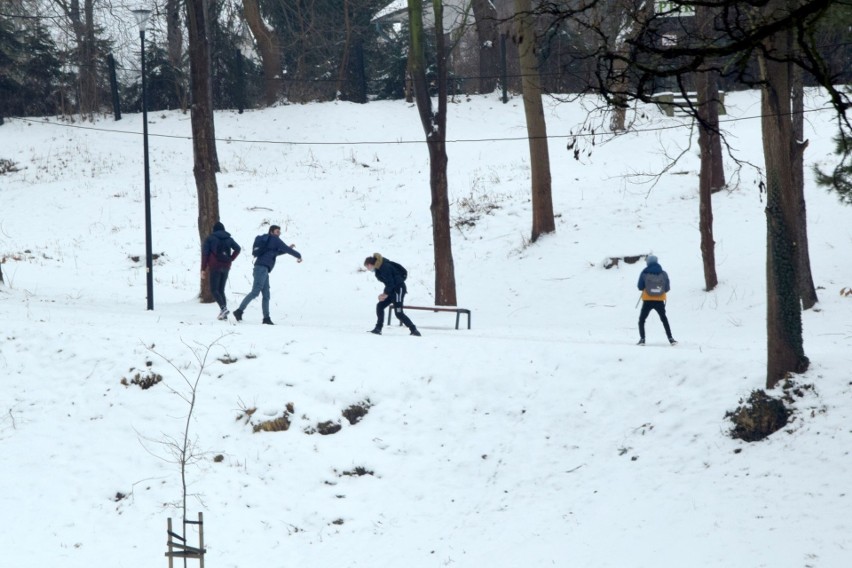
x: 543, y: 436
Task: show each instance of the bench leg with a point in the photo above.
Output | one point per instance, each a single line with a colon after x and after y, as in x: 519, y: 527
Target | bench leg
x: 458, y: 315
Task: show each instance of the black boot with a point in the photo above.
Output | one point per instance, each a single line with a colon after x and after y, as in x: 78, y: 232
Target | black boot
x: 376, y: 330
x: 268, y: 321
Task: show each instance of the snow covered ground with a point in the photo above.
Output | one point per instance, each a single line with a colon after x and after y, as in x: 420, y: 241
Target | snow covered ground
x: 541, y: 437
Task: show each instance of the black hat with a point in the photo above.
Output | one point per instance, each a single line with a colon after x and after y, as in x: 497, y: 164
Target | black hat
x: 218, y: 226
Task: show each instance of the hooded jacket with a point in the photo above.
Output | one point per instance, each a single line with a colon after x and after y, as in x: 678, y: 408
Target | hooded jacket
x: 272, y: 247
x: 211, y: 243
x: 389, y: 273
x: 653, y: 268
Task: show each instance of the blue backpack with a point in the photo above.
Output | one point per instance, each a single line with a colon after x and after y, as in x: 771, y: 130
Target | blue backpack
x: 261, y: 243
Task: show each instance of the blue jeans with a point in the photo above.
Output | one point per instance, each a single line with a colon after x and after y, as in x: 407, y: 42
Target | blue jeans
x: 260, y: 286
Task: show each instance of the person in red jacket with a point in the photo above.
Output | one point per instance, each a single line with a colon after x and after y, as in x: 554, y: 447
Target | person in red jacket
x: 217, y: 253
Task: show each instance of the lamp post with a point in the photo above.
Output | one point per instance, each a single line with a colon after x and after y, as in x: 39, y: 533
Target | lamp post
x: 142, y: 15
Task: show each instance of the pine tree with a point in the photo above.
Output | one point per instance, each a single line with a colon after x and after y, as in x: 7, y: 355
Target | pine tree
x: 840, y: 179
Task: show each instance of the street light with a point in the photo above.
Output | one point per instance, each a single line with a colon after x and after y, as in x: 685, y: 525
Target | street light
x: 142, y: 15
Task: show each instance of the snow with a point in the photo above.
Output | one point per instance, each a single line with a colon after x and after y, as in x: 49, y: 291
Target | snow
x: 541, y: 437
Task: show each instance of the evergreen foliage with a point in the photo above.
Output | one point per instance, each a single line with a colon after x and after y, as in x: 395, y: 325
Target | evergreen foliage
x: 386, y: 61
x: 237, y: 80
x: 31, y: 77
x: 162, y: 81
x: 840, y: 179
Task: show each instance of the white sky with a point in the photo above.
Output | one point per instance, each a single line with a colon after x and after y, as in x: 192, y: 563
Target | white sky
x: 541, y: 437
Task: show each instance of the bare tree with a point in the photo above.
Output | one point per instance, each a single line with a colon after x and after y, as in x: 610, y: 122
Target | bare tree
x: 82, y: 20
x: 269, y: 49
x: 184, y: 450
x: 631, y: 20
x: 705, y: 203
x: 712, y: 175
x: 435, y: 127
x: 542, y: 200
x: 205, y: 160
x: 488, y: 36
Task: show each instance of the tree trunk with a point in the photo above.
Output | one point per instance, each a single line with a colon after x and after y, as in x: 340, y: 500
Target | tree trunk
x: 82, y: 24
x: 435, y: 127
x: 709, y: 118
x: 203, y: 134
x: 542, y: 200
x: 485, y: 17
x: 347, y: 48
x: 785, y: 346
x: 174, y: 35
x: 269, y: 48
x: 711, y: 159
x: 807, y: 289
x: 618, y: 120
x: 618, y: 81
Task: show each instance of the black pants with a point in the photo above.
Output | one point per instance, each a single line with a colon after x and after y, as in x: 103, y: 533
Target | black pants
x: 395, y: 298
x: 218, y: 279
x: 660, y: 308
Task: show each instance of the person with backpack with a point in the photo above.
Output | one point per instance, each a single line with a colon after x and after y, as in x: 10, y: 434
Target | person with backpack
x: 393, y: 276
x: 217, y: 253
x: 654, y: 283
x: 266, y: 249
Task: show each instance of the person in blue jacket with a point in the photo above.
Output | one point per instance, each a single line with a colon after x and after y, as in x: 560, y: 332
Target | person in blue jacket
x: 393, y: 276
x: 217, y: 253
x: 265, y: 250
x: 654, y: 283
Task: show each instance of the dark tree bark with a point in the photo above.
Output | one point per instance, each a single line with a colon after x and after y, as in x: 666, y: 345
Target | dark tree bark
x: 542, y: 200
x: 269, y: 49
x: 485, y: 17
x: 435, y: 127
x: 203, y: 133
x: 707, y: 113
x: 785, y: 345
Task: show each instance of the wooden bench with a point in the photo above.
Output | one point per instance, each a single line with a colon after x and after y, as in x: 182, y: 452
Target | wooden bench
x: 458, y: 312
x: 672, y: 103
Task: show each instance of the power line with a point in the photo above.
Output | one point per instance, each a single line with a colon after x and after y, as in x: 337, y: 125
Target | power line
x: 394, y: 142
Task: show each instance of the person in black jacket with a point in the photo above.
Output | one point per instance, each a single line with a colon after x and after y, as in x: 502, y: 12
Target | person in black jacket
x: 266, y: 249
x: 217, y: 253
x: 392, y: 275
